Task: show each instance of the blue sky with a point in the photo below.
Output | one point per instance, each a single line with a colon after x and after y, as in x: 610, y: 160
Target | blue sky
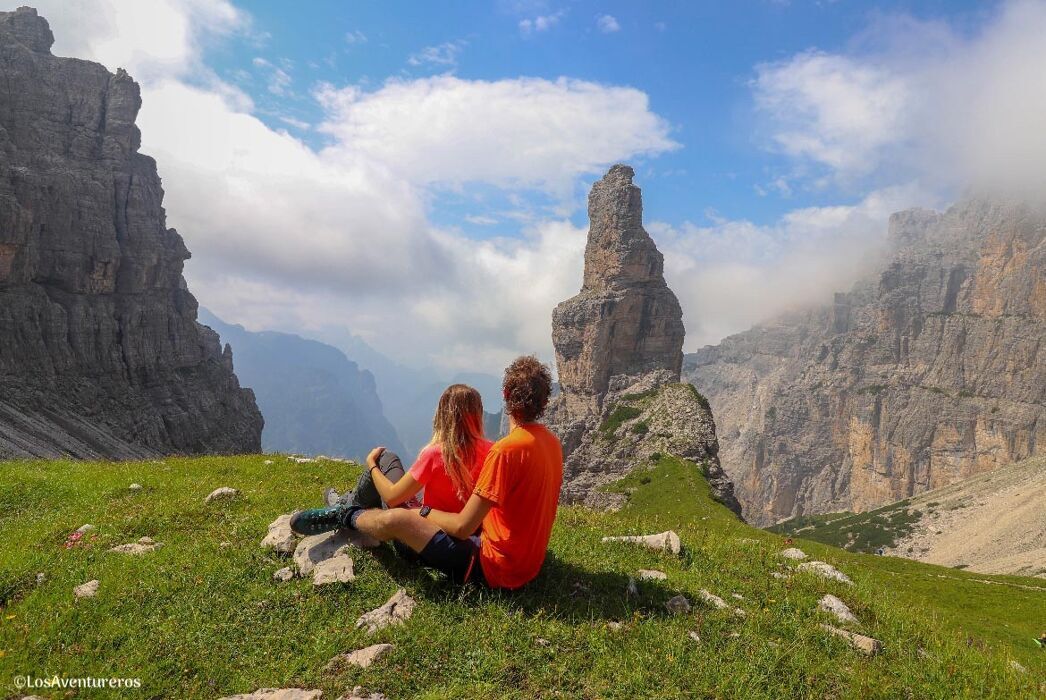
x: 415, y: 174
x: 694, y: 60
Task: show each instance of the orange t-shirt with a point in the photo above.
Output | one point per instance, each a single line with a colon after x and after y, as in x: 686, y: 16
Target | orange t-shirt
x: 521, y: 477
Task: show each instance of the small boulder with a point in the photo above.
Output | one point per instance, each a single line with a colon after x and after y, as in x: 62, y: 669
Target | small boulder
x: 678, y: 605
x: 667, y: 541
x: 337, y: 569
x: 793, y: 553
x: 358, y: 693
x: 284, y: 574
x: 280, y: 536
x: 395, y: 611
x: 222, y: 492
x: 361, y: 657
x: 652, y: 575
x: 863, y: 644
x: 778, y: 574
x: 83, y: 529
x: 830, y: 604
x: 143, y: 545
x: 134, y: 488
x: 717, y: 602
x: 268, y: 461
x: 40, y: 578
x: 278, y: 694
x: 824, y: 570
x: 695, y: 636
x: 87, y: 590
x: 312, y: 550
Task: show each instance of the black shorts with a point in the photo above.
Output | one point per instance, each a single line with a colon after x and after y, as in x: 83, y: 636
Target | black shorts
x: 458, y: 559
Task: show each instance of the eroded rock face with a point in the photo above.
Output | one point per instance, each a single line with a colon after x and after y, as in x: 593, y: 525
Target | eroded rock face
x: 625, y: 320
x: 926, y: 373
x: 100, y: 352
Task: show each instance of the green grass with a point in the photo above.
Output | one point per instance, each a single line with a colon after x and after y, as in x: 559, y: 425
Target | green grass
x: 199, y: 620
x: 856, y: 532
x: 619, y: 415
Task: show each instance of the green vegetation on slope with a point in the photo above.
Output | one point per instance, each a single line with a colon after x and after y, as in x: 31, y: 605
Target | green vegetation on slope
x: 857, y: 532
x: 199, y: 619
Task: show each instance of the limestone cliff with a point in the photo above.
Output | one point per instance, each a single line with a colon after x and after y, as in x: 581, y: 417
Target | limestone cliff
x: 100, y: 351
x: 619, y: 351
x: 928, y: 372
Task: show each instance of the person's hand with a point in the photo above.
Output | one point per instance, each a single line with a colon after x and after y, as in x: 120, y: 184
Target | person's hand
x: 374, y: 456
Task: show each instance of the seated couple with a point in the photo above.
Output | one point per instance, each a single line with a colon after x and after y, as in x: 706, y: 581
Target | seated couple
x: 487, y: 511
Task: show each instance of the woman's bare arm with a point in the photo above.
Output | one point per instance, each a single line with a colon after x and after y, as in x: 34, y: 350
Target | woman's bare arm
x: 465, y: 523
x: 393, y: 494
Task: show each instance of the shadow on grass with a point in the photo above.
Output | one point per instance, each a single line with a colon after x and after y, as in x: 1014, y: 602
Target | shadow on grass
x: 562, y: 591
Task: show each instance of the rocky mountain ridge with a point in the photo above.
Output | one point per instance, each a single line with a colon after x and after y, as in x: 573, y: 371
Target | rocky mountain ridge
x: 928, y: 372
x: 100, y: 351
x: 314, y: 399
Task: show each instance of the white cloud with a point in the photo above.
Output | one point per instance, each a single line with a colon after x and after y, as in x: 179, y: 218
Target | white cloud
x: 445, y: 54
x: 149, y: 38
x: 279, y: 80
x: 765, y: 270
x: 607, y: 24
x: 523, y: 132
x: 541, y: 23
x: 355, y: 37
x: 919, y: 100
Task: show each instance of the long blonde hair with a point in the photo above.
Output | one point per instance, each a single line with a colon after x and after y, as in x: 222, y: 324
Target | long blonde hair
x: 456, y: 428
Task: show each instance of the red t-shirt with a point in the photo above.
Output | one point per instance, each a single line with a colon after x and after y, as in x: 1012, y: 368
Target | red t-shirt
x: 521, y: 477
x: 429, y: 471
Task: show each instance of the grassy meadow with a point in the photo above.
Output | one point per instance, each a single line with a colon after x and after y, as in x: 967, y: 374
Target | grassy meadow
x: 202, y: 617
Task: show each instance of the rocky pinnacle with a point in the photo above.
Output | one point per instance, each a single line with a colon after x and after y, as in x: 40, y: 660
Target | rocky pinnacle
x: 625, y: 320
x: 100, y: 352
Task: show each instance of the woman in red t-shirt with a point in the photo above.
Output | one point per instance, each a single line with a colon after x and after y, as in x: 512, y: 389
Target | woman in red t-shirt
x: 446, y: 468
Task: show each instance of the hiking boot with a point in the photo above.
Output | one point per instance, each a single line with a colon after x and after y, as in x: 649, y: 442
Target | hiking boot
x: 331, y: 497
x: 316, y: 521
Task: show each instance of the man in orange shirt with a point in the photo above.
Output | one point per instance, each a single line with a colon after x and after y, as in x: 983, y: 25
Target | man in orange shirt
x: 515, y: 500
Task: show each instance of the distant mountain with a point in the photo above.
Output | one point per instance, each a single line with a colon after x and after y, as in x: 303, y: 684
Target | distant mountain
x: 409, y: 394
x: 314, y: 399
x: 928, y: 372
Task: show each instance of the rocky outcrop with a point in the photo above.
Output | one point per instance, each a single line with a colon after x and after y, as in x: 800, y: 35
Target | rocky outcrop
x: 100, y: 351
x: 619, y: 349
x: 928, y: 372
x: 625, y: 320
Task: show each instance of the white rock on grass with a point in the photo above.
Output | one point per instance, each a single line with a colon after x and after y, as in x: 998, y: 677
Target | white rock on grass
x: 302, y: 460
x: 667, y: 541
x: 777, y: 574
x: 316, y: 548
x: 358, y: 693
x: 40, y: 578
x: 863, y: 644
x: 337, y: 569
x: 678, y: 605
x: 830, y: 604
x: 361, y: 657
x: 284, y: 574
x: 134, y: 488
x: 718, y: 603
x: 221, y: 492
x: 280, y: 536
x: 268, y: 461
x: 695, y: 636
x: 793, y: 553
x: 83, y: 529
x: 278, y: 694
x: 87, y: 590
x: 652, y: 575
x: 143, y: 545
x: 825, y: 571
x: 395, y: 611
x: 1017, y: 666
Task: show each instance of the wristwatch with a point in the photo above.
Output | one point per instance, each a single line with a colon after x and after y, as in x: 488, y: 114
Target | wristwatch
x: 425, y: 510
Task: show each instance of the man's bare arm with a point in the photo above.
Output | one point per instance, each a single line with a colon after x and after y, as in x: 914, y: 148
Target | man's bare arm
x: 465, y: 523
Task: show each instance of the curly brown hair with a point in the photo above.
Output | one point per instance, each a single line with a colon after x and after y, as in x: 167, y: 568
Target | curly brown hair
x: 528, y: 384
